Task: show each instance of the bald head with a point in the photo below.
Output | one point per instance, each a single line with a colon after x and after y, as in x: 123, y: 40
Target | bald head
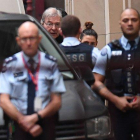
x: 130, y: 23
x: 129, y: 10
x: 28, y: 27
x: 28, y: 38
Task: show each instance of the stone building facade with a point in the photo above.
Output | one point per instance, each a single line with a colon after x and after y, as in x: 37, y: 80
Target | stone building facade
x: 105, y: 15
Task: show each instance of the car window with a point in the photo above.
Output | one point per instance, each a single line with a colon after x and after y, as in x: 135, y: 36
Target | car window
x: 8, y: 46
x: 47, y: 47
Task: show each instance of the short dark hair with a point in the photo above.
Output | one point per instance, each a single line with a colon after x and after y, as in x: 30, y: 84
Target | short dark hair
x: 70, y: 25
x: 89, y: 30
x: 63, y: 12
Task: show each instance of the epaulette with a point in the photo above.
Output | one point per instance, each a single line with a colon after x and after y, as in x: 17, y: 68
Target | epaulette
x: 10, y: 59
x: 50, y: 57
x: 115, y: 44
x: 4, y: 68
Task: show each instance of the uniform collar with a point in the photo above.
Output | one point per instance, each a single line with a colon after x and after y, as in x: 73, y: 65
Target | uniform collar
x: 70, y: 41
x: 35, y: 58
x: 124, y: 42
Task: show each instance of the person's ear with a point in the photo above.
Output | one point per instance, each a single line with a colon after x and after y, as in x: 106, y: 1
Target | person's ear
x: 79, y: 33
x: 80, y: 30
x: 39, y: 38
x: 18, y: 40
x: 60, y: 32
x: 41, y: 21
x: 96, y: 43
x: 120, y: 24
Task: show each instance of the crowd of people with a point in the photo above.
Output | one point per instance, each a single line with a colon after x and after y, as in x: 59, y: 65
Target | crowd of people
x: 115, y: 68
x: 69, y: 33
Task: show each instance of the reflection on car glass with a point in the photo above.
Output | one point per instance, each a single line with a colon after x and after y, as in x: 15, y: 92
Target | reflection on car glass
x: 67, y: 75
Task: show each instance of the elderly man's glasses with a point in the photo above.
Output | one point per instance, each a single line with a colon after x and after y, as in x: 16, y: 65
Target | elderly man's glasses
x: 50, y: 25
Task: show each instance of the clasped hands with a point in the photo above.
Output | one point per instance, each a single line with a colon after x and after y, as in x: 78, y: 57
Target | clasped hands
x: 128, y: 103
x: 28, y: 124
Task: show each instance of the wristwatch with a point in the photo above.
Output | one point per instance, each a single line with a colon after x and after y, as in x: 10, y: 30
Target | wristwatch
x: 39, y: 117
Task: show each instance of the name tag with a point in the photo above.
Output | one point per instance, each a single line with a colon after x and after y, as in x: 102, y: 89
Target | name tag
x: 77, y: 57
x: 18, y: 74
x: 116, y: 53
x: 37, y: 104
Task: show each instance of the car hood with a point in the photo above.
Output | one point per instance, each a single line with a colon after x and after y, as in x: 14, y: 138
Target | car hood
x: 80, y: 102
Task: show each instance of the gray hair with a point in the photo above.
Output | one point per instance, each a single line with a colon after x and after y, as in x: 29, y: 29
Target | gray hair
x: 50, y: 12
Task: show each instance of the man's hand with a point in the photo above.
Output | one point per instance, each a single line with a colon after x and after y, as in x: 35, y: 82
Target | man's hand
x: 123, y: 104
x: 27, y: 122
x: 36, y: 130
x: 136, y: 103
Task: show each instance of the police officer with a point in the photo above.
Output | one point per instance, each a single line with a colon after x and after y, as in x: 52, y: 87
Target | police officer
x: 79, y: 54
x: 89, y: 35
x: 118, y: 63
x: 31, y: 87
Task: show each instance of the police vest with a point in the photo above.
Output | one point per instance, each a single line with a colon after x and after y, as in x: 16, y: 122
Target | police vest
x: 123, y: 70
x: 79, y: 55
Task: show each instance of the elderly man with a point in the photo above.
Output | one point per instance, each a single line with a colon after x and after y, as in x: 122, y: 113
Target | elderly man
x: 118, y: 64
x: 51, y: 19
x: 31, y: 87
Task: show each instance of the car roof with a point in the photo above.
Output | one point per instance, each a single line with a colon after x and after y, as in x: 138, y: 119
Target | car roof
x: 15, y: 16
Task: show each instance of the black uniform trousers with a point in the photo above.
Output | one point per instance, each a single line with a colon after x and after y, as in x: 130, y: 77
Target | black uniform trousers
x: 48, y: 126
x: 125, y: 124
